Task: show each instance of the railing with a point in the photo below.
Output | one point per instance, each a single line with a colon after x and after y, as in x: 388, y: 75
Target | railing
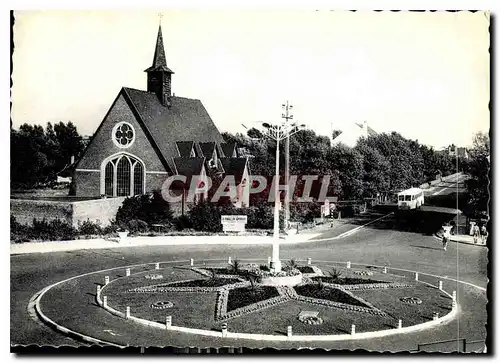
x: 453, y: 345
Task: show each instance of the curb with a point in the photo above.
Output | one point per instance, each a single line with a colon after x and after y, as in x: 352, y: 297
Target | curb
x: 264, y: 337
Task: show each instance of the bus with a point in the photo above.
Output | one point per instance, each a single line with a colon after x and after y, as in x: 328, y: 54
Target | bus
x: 411, y: 198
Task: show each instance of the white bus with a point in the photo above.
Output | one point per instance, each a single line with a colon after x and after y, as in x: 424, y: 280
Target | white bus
x: 411, y: 198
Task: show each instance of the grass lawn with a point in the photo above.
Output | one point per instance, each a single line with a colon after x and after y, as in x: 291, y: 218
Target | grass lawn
x: 327, y: 293
x: 244, y: 296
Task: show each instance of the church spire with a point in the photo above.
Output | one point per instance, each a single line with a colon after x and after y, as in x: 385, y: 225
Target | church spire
x: 159, y: 75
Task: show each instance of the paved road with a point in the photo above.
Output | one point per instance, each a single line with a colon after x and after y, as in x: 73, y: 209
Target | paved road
x: 377, y: 243
x: 450, y: 186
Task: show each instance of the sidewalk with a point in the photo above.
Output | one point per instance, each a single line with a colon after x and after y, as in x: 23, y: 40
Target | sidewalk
x: 462, y: 238
x: 101, y: 243
x: 304, y: 236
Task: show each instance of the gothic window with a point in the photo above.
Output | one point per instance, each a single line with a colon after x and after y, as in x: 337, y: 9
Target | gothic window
x: 123, y: 176
x: 138, y: 178
x: 123, y: 135
x: 108, y: 179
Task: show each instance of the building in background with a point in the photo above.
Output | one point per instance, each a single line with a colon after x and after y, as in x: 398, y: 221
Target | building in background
x: 147, y: 136
x: 351, y: 134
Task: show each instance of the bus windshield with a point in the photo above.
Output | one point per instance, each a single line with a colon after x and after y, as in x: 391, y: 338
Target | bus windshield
x: 407, y: 197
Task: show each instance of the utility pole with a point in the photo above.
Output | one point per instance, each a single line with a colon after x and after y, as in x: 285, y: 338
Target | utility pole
x: 287, y: 115
x: 278, y: 132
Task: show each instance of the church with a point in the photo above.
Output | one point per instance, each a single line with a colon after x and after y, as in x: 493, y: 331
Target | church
x: 147, y: 136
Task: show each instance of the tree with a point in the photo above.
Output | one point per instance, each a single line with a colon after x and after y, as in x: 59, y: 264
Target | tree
x: 348, y: 163
x: 375, y: 170
x: 478, y: 169
x: 336, y: 133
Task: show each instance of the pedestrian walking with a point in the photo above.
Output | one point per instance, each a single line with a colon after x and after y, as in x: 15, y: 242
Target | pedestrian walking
x: 446, y: 236
x: 484, y: 234
x: 476, y: 233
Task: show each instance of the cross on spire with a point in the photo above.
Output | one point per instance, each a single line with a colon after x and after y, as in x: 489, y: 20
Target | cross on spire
x: 160, y: 15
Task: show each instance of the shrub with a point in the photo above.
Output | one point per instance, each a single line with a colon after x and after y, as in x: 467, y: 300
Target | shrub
x: 137, y: 225
x: 182, y: 222
x: 150, y: 208
x: 90, y: 228
x: 205, y: 216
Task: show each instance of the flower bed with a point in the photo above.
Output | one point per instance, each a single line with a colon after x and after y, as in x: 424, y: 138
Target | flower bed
x: 243, y: 296
x: 212, y: 282
x: 327, y: 293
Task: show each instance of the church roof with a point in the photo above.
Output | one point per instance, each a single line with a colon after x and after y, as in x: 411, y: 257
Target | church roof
x: 228, y: 148
x: 159, y: 59
x: 234, y: 166
x: 185, y: 148
x: 189, y: 167
x: 208, y: 149
x: 185, y: 119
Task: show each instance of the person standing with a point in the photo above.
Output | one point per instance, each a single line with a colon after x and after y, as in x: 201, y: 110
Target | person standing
x: 476, y: 233
x: 446, y: 236
x: 484, y: 234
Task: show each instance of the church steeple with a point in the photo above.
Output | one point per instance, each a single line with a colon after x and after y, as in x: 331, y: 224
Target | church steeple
x: 159, y: 75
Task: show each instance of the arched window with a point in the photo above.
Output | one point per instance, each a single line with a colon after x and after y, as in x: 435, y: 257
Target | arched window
x: 123, y: 176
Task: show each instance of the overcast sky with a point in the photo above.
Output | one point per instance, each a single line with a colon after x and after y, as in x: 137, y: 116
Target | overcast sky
x: 424, y: 75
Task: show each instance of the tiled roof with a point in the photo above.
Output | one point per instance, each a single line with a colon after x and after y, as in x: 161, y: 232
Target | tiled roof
x: 371, y: 132
x: 159, y: 59
x: 185, y: 119
x: 189, y: 167
x: 234, y: 166
x: 185, y: 148
x: 228, y: 149
x: 207, y: 148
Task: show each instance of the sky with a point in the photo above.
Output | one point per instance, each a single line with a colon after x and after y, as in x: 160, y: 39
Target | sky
x: 424, y: 75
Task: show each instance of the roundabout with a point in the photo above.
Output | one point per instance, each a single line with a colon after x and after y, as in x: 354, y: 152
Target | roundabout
x: 234, y: 301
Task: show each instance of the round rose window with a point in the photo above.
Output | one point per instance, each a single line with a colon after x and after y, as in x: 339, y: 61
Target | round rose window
x: 123, y: 134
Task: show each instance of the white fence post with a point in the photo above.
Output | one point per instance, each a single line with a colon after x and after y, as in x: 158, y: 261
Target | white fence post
x: 400, y: 324
x: 309, y: 260
x: 191, y: 262
x: 289, y: 331
x: 229, y: 260
x: 435, y: 316
x: 157, y: 266
x: 106, y: 280
x: 127, y: 272
x: 353, y: 329
x: 348, y: 264
x: 441, y: 285
x: 168, y: 322
x: 127, y: 312
x: 416, y: 276
x: 385, y: 269
x: 224, y: 330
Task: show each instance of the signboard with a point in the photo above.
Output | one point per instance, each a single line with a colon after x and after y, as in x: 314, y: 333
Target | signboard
x: 233, y: 223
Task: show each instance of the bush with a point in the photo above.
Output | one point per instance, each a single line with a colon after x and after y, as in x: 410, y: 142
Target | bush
x: 90, y: 228
x: 182, y: 222
x: 149, y: 208
x: 137, y: 225
x: 205, y: 216
x: 55, y: 230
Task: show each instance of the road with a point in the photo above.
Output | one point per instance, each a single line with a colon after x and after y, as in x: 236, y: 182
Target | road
x: 451, y: 186
x: 378, y: 243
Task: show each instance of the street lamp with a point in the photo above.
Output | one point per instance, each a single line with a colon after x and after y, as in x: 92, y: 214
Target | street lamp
x: 278, y: 132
